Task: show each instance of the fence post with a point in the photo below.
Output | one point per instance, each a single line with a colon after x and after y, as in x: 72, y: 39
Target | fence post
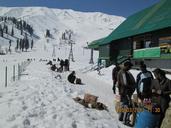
x: 18, y: 71
x: 21, y: 67
x: 6, y: 76
x: 13, y: 72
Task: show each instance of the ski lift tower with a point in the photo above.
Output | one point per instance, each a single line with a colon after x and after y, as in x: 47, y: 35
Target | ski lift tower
x: 71, y: 56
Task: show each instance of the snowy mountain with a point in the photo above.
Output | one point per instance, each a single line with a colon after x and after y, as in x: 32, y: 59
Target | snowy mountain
x: 86, y: 26
x: 32, y: 96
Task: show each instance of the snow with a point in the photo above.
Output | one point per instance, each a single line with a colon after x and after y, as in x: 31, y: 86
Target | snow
x: 38, y: 99
x: 87, y: 26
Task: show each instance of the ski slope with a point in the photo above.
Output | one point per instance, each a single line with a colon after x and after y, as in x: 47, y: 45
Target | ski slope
x: 39, y: 100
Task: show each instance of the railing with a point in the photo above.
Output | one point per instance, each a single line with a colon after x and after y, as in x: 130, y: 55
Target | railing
x: 11, y: 72
x: 155, y: 52
x: 89, y: 68
x: 147, y: 53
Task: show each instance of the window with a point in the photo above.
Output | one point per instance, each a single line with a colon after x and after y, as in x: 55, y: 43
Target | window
x: 147, y: 44
x: 165, y: 44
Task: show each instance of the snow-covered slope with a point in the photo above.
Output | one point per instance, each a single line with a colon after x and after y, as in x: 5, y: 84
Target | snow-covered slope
x: 37, y: 99
x: 86, y: 26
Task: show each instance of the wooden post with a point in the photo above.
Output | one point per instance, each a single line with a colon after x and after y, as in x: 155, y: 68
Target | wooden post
x: 91, y: 57
x: 13, y: 72
x: 6, y: 76
x: 18, y: 72
x: 21, y: 67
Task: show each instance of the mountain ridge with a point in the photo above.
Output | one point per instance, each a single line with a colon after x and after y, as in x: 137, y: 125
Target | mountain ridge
x: 87, y: 26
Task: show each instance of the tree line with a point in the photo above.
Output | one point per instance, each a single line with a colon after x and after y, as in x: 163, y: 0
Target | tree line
x: 22, y: 44
x: 19, y: 24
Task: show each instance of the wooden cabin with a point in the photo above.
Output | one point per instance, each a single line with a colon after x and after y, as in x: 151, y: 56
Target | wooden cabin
x: 145, y: 35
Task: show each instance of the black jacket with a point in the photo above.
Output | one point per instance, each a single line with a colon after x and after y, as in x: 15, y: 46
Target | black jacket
x: 143, y: 84
x: 71, y: 78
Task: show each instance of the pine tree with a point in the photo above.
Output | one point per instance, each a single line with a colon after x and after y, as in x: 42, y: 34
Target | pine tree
x: 9, y: 46
x: 64, y: 36
x: 5, y: 20
x: 12, y: 32
x: 47, y: 33
x: 32, y: 44
x: 24, y: 25
x: 20, y: 24
x: 23, y: 45
x: 30, y: 30
x: 17, y: 44
x: 6, y: 29
x: 21, y: 31
x: 17, y: 25
x: 26, y: 44
x: 69, y: 36
x: 1, y: 31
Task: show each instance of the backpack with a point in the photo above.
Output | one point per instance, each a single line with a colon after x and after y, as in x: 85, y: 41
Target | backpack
x: 78, y: 81
x: 144, y: 83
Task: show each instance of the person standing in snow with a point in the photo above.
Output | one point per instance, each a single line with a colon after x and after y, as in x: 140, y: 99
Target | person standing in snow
x: 162, y: 87
x: 126, y: 86
x: 61, y: 64
x: 115, y: 71
x: 143, y: 83
x: 66, y: 64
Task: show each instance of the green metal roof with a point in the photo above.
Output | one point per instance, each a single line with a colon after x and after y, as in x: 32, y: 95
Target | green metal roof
x: 95, y: 44
x: 153, y: 18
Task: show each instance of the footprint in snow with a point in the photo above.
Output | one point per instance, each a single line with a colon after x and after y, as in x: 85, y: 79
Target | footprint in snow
x: 24, y: 108
x: 16, y: 94
x: 10, y: 100
x: 54, y: 116
x: 15, y: 126
x: 12, y: 118
x: 26, y: 122
x: 74, y: 124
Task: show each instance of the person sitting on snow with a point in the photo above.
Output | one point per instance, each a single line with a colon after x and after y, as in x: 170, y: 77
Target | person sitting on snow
x: 53, y: 67
x: 72, y: 77
x: 49, y: 63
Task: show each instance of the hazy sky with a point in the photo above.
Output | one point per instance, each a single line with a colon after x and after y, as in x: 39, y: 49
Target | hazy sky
x: 114, y: 7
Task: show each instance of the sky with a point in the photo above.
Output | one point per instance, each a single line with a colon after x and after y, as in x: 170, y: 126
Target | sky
x: 123, y: 8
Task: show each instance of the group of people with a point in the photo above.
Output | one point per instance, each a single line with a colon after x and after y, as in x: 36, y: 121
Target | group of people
x: 63, y: 65
x: 145, y: 85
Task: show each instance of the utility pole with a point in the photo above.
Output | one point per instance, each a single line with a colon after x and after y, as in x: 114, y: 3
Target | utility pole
x: 71, y: 56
